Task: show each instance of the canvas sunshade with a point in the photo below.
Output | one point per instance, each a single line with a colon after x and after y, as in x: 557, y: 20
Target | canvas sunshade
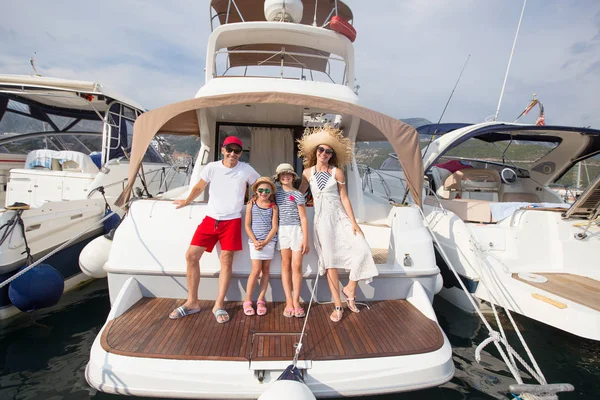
x: 181, y: 119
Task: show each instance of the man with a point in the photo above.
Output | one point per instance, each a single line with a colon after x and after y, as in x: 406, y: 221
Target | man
x: 229, y: 179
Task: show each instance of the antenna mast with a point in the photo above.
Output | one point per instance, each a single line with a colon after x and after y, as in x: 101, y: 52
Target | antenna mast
x: 510, y: 60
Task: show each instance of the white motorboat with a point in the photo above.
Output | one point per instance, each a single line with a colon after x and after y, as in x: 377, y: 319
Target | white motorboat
x: 512, y: 239
x: 64, y: 147
x: 395, y: 345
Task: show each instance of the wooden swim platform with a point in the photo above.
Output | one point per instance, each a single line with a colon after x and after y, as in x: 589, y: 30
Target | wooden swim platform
x: 388, y: 328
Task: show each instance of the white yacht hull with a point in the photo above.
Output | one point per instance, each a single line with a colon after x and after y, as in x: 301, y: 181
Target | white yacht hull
x: 211, y: 379
x: 140, y: 269
x: 539, y: 245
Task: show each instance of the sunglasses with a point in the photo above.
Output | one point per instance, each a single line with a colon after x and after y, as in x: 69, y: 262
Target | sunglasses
x: 235, y: 150
x: 323, y: 149
x: 261, y: 191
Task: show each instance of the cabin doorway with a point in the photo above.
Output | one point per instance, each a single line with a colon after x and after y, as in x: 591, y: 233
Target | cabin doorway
x: 265, y: 146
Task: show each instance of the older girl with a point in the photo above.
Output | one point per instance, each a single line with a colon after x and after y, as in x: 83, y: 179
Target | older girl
x: 293, y: 238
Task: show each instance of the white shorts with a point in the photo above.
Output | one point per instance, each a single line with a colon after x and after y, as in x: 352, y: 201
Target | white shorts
x: 290, y: 237
x: 267, y: 252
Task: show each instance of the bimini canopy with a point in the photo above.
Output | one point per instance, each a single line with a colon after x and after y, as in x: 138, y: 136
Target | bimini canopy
x: 181, y: 119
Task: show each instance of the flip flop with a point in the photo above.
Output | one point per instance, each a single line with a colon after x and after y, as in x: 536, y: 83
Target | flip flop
x: 299, y: 312
x: 247, y: 307
x: 289, y: 312
x: 183, y: 311
x: 220, y: 312
x: 352, y: 308
x: 261, y: 308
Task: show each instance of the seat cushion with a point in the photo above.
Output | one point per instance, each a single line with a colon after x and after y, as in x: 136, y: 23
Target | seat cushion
x: 520, y: 197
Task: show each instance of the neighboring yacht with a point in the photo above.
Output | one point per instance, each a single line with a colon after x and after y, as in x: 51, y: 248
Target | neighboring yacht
x: 395, y: 345
x: 64, y: 146
x: 512, y: 239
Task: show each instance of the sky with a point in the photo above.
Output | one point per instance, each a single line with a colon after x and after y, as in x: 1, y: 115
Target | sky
x: 409, y: 53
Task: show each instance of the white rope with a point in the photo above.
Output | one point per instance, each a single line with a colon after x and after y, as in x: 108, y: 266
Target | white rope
x: 496, y: 338
x: 299, y: 344
x: 510, y: 60
x: 489, y: 271
x: 59, y: 248
x: 510, y: 366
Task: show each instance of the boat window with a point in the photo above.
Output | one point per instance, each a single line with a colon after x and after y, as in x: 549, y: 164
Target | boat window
x: 581, y: 174
x: 376, y: 155
x: 391, y: 163
x: 81, y: 143
x: 520, y: 153
x: 302, y: 64
x: 152, y: 155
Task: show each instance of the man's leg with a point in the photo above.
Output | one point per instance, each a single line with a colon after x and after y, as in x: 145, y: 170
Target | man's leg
x: 192, y: 259
x: 224, y: 279
x: 192, y: 273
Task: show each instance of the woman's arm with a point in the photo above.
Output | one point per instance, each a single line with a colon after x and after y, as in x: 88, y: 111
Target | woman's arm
x: 339, y: 177
x: 304, y: 225
x: 304, y: 184
x: 274, y: 224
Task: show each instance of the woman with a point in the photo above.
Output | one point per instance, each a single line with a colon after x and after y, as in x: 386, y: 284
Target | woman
x: 338, y: 239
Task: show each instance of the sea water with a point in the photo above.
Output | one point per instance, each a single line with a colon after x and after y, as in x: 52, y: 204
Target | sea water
x: 43, y: 355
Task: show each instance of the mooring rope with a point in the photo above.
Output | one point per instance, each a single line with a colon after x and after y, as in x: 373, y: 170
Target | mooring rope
x: 299, y: 344
x: 59, y: 248
x: 492, y: 332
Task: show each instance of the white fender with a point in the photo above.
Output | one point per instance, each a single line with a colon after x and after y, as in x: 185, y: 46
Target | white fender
x: 289, y: 390
x: 93, y: 257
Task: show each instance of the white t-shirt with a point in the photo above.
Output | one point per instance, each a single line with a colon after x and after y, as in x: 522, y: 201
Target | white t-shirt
x: 227, y: 188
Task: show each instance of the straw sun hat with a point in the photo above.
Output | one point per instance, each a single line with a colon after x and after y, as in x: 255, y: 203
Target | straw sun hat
x: 264, y: 179
x: 328, y: 135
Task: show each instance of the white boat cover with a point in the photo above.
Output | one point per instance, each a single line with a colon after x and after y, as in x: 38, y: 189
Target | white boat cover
x: 44, y: 158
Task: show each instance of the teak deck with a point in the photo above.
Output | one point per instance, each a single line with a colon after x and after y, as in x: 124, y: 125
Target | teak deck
x: 389, y: 328
x: 580, y: 289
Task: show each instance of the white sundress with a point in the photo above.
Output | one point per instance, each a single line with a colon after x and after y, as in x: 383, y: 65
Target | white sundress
x: 335, y: 243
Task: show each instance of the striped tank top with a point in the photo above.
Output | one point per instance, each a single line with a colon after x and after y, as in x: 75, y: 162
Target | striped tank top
x: 262, y: 222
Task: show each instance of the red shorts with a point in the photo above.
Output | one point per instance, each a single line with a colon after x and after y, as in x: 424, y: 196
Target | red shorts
x: 210, y: 231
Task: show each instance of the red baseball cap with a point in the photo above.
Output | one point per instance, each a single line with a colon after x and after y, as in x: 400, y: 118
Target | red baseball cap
x: 232, y: 140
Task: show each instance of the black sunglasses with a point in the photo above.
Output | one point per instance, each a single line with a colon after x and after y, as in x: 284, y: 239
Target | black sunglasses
x: 235, y: 150
x: 261, y: 191
x: 323, y: 149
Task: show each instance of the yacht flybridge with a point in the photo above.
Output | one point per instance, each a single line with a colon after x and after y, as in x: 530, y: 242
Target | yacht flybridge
x: 63, y: 159
x: 276, y: 78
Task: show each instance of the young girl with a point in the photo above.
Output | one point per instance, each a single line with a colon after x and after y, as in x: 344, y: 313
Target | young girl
x: 261, y: 226
x: 293, y: 238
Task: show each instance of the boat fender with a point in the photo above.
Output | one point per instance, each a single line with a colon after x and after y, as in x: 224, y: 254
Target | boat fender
x: 111, y: 222
x: 93, y: 257
x: 40, y: 287
x: 289, y: 386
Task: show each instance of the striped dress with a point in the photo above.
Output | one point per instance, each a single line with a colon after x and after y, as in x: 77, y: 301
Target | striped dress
x: 262, y: 222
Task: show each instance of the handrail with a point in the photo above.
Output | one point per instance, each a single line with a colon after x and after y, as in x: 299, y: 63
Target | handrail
x: 437, y: 198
